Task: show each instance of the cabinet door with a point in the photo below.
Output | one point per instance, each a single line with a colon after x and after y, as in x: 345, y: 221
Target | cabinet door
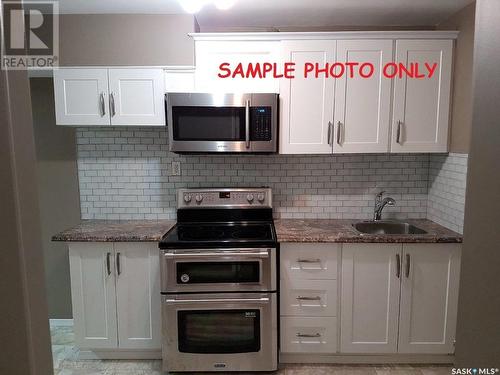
x: 93, y: 295
x: 138, y: 295
x: 421, y: 106
x: 370, y: 298
x: 81, y: 96
x: 210, y: 54
x: 362, y: 105
x: 307, y: 103
x: 137, y: 97
x: 429, y: 298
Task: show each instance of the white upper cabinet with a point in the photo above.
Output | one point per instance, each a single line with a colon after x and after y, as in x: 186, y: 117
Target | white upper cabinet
x: 109, y: 97
x: 210, y: 54
x: 421, y: 106
x: 81, y: 96
x: 180, y: 80
x: 137, y: 96
x: 429, y: 298
x: 306, y: 104
x: 370, y: 298
x: 362, y: 105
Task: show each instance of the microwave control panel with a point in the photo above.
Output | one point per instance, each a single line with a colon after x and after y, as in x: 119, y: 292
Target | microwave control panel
x: 261, y: 119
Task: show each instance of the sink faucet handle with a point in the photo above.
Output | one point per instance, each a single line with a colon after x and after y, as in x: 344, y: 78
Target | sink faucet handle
x: 378, y: 197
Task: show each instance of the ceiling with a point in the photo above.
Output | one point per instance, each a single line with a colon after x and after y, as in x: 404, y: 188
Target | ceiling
x: 287, y: 14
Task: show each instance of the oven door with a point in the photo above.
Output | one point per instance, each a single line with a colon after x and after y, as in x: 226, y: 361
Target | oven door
x: 220, y: 332
x: 212, y: 270
x: 206, y: 122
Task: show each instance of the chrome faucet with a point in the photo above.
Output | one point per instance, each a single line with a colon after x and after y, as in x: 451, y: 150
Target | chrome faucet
x: 380, y: 204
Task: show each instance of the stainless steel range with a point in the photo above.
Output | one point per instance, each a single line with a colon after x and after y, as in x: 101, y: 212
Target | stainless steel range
x: 218, y: 282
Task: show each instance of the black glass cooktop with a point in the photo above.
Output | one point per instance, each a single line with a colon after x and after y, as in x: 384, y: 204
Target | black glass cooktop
x: 219, y: 234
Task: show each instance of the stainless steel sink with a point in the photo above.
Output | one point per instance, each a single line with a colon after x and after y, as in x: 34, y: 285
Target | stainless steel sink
x: 387, y: 227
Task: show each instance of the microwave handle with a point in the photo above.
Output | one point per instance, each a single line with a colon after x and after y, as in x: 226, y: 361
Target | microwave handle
x: 247, y: 123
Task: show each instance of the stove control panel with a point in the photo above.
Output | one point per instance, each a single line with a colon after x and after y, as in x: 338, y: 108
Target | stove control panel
x: 224, y: 198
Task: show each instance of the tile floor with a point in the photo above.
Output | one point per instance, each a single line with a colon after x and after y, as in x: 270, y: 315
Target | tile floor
x: 66, y: 363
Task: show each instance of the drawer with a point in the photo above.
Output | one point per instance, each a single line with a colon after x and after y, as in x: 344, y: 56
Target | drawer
x: 308, y: 335
x: 308, y: 297
x: 309, y: 261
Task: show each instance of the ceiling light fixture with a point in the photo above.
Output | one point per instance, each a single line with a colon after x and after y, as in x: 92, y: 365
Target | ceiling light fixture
x: 194, y: 6
x: 224, y: 4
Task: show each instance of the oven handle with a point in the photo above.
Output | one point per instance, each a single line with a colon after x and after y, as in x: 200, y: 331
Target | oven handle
x: 218, y: 255
x: 219, y: 300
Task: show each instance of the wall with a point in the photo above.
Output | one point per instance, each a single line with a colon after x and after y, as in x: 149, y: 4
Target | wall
x: 124, y: 173
x: 462, y: 83
x: 478, y: 330
x: 58, y: 193
x: 24, y: 328
x: 447, y: 178
x: 126, y: 39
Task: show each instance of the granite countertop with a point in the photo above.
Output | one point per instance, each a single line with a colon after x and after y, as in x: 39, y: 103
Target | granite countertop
x: 287, y: 230
x: 116, y: 231
x: 332, y: 230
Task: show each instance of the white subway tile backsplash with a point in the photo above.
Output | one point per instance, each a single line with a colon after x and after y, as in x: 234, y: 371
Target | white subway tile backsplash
x: 126, y: 174
x: 447, y: 180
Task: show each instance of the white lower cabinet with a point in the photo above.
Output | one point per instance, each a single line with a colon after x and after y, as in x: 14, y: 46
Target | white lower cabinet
x: 429, y: 298
x: 301, y: 334
x: 308, y: 298
x: 370, y: 298
x: 116, y: 295
x: 399, y: 298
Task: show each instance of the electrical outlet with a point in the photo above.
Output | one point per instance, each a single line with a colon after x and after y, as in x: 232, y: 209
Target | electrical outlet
x: 176, y: 168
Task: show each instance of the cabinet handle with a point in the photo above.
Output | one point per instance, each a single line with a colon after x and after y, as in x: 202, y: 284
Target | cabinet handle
x: 329, y: 133
x: 304, y: 298
x: 308, y: 260
x: 398, y: 266
x: 108, y: 263
x: 398, y: 135
x: 339, y: 125
x: 408, y: 261
x: 118, y: 265
x: 112, y: 104
x: 308, y: 334
x: 101, y: 103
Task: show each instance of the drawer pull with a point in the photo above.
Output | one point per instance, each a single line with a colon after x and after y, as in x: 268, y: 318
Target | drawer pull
x: 309, y: 335
x: 308, y: 260
x: 303, y: 298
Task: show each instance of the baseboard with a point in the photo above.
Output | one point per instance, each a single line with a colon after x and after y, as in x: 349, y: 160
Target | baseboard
x: 367, y: 359
x: 61, y: 322
x: 119, y: 354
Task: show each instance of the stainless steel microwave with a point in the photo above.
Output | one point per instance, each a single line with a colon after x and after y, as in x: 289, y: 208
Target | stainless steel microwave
x: 215, y: 122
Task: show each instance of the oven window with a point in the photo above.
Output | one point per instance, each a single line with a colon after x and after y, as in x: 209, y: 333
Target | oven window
x: 219, y: 331
x: 208, y: 123
x: 218, y: 272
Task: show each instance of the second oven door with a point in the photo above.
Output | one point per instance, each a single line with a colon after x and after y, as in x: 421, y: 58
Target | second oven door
x: 210, y: 332
x: 214, y: 270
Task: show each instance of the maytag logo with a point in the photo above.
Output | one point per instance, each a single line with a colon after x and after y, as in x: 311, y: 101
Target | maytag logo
x: 219, y: 365
x: 30, y: 34
x: 474, y: 371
